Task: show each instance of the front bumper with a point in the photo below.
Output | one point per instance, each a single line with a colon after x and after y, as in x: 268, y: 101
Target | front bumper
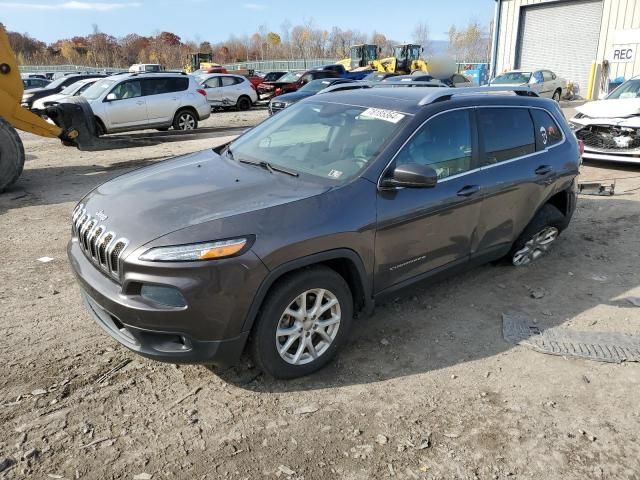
x: 208, y: 329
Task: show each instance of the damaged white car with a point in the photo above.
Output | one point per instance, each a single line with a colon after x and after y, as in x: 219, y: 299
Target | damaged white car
x: 610, y: 128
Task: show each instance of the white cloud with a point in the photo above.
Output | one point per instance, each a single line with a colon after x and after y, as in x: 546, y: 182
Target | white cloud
x: 254, y: 6
x: 98, y: 6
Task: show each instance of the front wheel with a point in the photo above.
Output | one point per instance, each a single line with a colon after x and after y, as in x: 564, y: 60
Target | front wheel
x: 305, y: 319
x: 538, y: 236
x: 185, y: 120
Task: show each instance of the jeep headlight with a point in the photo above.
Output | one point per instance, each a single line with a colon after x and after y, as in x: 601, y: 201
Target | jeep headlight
x: 196, y: 251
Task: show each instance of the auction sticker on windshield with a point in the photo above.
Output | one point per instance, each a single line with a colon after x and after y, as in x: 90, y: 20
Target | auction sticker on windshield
x: 382, y: 114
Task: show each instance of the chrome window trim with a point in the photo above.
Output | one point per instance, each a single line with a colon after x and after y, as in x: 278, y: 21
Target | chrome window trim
x: 484, y: 167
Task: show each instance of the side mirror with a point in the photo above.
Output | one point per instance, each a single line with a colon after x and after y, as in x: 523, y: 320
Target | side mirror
x: 411, y: 175
x: 111, y: 97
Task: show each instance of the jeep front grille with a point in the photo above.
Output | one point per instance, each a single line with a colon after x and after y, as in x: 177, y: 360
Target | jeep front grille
x: 610, y: 138
x: 103, y: 247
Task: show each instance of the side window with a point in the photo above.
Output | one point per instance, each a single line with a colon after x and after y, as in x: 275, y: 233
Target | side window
x: 155, y: 86
x: 178, y: 84
x: 443, y: 143
x: 228, y: 81
x: 124, y: 90
x: 547, y: 131
x: 547, y: 75
x: 506, y: 133
x: 308, y: 77
x: 212, y: 82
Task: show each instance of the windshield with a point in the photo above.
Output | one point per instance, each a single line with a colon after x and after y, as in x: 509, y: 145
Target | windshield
x: 315, y: 86
x: 327, y: 140
x: 629, y: 89
x: 98, y: 88
x: 70, y: 90
x: 290, y: 77
x: 513, y: 77
x: 272, y: 76
x: 56, y: 83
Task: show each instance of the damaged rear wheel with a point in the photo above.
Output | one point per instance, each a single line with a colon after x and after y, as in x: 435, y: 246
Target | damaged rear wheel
x: 539, y: 235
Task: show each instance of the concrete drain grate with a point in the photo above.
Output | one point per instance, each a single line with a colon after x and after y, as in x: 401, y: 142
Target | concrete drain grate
x: 599, y: 346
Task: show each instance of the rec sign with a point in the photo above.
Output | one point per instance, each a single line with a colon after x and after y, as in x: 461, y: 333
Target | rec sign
x: 623, y: 53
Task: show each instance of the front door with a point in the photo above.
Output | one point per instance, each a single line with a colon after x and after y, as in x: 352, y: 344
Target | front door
x: 214, y: 93
x: 127, y: 106
x: 420, y: 230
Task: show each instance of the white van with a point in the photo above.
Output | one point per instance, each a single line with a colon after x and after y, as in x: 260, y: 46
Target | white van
x: 145, y: 68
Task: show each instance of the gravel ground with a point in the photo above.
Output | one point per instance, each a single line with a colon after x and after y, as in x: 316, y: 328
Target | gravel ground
x: 426, y: 388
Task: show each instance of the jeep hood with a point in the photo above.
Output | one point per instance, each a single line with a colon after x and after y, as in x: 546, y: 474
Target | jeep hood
x: 187, y: 191
x: 618, y: 108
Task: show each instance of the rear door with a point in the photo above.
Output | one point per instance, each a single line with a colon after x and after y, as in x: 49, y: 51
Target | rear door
x: 128, y: 108
x: 423, y: 229
x: 230, y: 90
x: 163, y: 97
x: 515, y: 174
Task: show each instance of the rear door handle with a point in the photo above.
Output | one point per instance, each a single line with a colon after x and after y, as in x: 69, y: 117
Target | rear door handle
x: 543, y: 170
x: 468, y: 190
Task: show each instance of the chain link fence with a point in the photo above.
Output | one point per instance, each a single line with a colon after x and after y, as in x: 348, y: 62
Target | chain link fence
x: 68, y: 68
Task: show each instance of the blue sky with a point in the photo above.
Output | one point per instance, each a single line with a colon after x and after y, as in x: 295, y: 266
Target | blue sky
x: 215, y: 20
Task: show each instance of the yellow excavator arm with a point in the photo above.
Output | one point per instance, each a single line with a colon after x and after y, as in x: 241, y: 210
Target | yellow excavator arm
x: 11, y: 90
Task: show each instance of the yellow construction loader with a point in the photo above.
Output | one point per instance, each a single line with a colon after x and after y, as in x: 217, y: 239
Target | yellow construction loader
x: 405, y: 60
x: 362, y: 57
x: 74, y: 121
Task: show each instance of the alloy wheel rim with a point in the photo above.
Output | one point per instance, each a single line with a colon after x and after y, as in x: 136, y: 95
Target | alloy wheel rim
x: 536, y: 246
x: 308, y: 326
x: 186, y: 122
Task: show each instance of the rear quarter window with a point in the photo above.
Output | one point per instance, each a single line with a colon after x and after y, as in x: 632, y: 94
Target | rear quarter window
x: 506, y: 133
x: 546, y: 129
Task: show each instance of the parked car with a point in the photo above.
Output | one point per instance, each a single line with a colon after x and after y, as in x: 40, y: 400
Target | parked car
x: 544, y: 82
x: 344, y: 73
x: 72, y: 90
x: 56, y: 86
x: 456, y: 80
x: 273, y: 76
x: 145, y: 68
x: 293, y: 81
x: 135, y: 101
x: 224, y: 90
x: 610, y: 128
x: 31, y: 82
x: 379, y: 76
x: 282, y: 236
x: 314, y: 86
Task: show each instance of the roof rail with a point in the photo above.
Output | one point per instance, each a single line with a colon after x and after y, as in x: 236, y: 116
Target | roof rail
x: 438, y: 94
x: 345, y: 86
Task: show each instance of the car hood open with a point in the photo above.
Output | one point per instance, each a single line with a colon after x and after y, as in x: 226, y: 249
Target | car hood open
x: 187, y: 191
x: 617, y: 108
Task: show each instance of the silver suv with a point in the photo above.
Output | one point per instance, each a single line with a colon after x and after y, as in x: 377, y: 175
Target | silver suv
x: 132, y: 101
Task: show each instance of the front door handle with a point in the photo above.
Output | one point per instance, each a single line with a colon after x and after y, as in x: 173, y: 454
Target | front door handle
x: 468, y: 190
x: 543, y: 170
x: 140, y: 103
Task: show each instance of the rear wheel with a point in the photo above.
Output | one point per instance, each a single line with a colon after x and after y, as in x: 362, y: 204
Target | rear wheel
x: 539, y: 235
x: 244, y: 103
x: 305, y: 319
x: 556, y: 95
x: 185, y: 120
x: 11, y: 155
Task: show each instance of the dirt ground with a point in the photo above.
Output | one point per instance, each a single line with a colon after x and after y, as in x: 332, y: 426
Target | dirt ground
x: 426, y: 388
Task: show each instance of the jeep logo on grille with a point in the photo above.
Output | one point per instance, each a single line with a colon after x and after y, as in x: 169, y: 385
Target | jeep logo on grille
x: 101, y: 215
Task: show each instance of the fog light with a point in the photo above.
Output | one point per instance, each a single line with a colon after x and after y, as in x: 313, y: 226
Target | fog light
x: 168, y: 296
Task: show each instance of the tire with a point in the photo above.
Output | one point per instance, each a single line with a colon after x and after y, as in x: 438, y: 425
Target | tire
x: 11, y: 155
x: 185, y: 120
x: 244, y: 103
x: 538, y: 236
x: 100, y: 130
x: 286, y: 294
x: 556, y: 95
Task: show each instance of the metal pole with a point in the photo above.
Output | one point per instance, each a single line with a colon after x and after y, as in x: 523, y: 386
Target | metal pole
x: 494, y: 43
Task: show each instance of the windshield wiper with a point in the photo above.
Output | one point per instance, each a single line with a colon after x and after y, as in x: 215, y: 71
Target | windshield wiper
x: 270, y: 167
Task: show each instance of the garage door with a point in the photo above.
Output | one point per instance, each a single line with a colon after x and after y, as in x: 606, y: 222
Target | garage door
x: 560, y: 36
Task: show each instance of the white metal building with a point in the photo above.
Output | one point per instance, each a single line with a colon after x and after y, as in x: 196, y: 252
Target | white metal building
x: 567, y: 36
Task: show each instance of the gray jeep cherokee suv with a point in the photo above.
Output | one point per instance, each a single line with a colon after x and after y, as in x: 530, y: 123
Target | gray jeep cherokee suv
x: 279, y: 239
